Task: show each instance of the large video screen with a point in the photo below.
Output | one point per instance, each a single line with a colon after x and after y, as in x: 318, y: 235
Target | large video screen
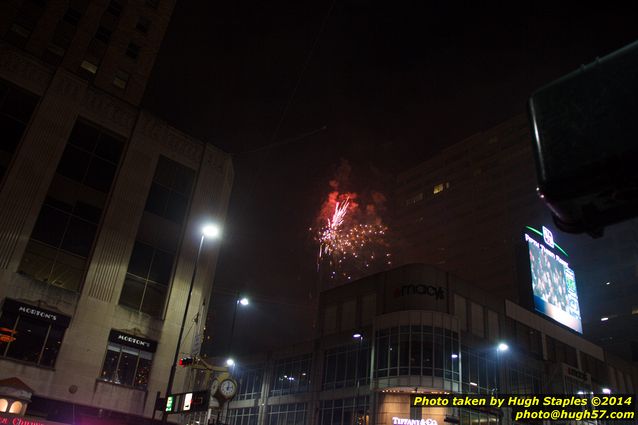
x: 553, y: 285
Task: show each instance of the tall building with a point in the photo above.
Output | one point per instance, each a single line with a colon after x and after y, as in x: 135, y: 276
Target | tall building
x: 418, y: 330
x: 465, y: 210
x: 101, y: 209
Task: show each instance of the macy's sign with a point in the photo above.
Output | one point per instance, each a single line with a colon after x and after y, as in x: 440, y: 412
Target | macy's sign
x: 420, y: 289
x: 401, y: 421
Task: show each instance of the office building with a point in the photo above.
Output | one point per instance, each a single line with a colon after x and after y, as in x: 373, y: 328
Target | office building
x: 102, y: 206
x: 465, y: 210
x: 418, y: 330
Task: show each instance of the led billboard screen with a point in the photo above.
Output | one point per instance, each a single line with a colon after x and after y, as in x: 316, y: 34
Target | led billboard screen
x: 553, y: 283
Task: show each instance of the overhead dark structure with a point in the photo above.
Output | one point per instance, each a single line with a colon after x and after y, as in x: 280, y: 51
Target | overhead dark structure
x: 585, y: 140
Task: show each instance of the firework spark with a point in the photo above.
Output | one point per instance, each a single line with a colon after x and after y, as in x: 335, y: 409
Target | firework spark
x: 349, y: 246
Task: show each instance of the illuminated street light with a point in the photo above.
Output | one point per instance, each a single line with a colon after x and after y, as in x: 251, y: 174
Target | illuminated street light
x: 211, y: 231
x: 244, y: 301
x: 502, y: 347
x: 604, y: 319
x: 208, y: 231
x: 230, y: 362
x: 455, y: 356
x: 357, y: 336
x: 606, y: 391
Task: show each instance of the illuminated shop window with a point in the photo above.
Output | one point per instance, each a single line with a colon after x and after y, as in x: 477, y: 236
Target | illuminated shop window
x: 31, y: 334
x: 291, y: 375
x: 346, y: 365
x: 128, y: 361
x: 347, y: 411
x: 16, y: 407
x: 4, y: 404
x: 245, y: 416
x: 289, y: 414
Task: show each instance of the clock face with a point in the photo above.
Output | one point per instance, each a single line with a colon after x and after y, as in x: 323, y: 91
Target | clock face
x: 228, y: 388
x: 214, y: 386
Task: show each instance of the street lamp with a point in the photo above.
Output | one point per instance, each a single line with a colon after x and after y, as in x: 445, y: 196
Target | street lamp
x: 502, y: 347
x: 243, y: 301
x: 208, y: 231
x: 230, y: 362
x: 358, y: 337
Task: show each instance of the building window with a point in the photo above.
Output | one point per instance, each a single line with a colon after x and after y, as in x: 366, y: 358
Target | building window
x: 65, y: 230
x: 558, y: 351
x: 27, y: 17
x: 103, y: 34
x: 417, y: 350
x: 291, y: 375
x: 72, y: 16
x: 250, y: 381
x: 115, y: 8
x: 440, y: 187
x: 133, y: 51
x: 120, y: 79
x: 151, y: 263
x: 524, y: 379
x: 16, y: 108
x: 480, y: 371
x: 289, y: 414
x: 347, y: 411
x: 143, y: 24
x: 345, y: 366
x: 89, y: 67
x: 32, y: 334
x: 245, y: 416
x: 128, y: 360
x: 414, y: 199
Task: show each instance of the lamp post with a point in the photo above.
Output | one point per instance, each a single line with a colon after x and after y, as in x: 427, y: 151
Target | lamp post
x: 208, y: 231
x: 359, y: 337
x: 243, y: 301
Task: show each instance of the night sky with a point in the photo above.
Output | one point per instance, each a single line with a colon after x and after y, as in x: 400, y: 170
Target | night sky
x: 380, y: 85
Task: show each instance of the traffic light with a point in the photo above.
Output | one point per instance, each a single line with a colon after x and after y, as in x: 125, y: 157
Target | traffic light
x: 170, y: 401
x: 186, y: 361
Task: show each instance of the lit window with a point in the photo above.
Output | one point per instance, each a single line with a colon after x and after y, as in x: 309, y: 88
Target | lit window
x: 88, y: 66
x: 438, y: 188
x: 121, y: 79
x: 128, y: 360
x: 16, y: 407
x: 3, y: 405
x: 33, y: 334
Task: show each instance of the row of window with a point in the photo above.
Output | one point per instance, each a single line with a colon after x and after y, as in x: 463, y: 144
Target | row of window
x: 65, y: 230
x: 64, y: 233
x: 34, y: 335
x: 417, y: 350
x: 30, y: 13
